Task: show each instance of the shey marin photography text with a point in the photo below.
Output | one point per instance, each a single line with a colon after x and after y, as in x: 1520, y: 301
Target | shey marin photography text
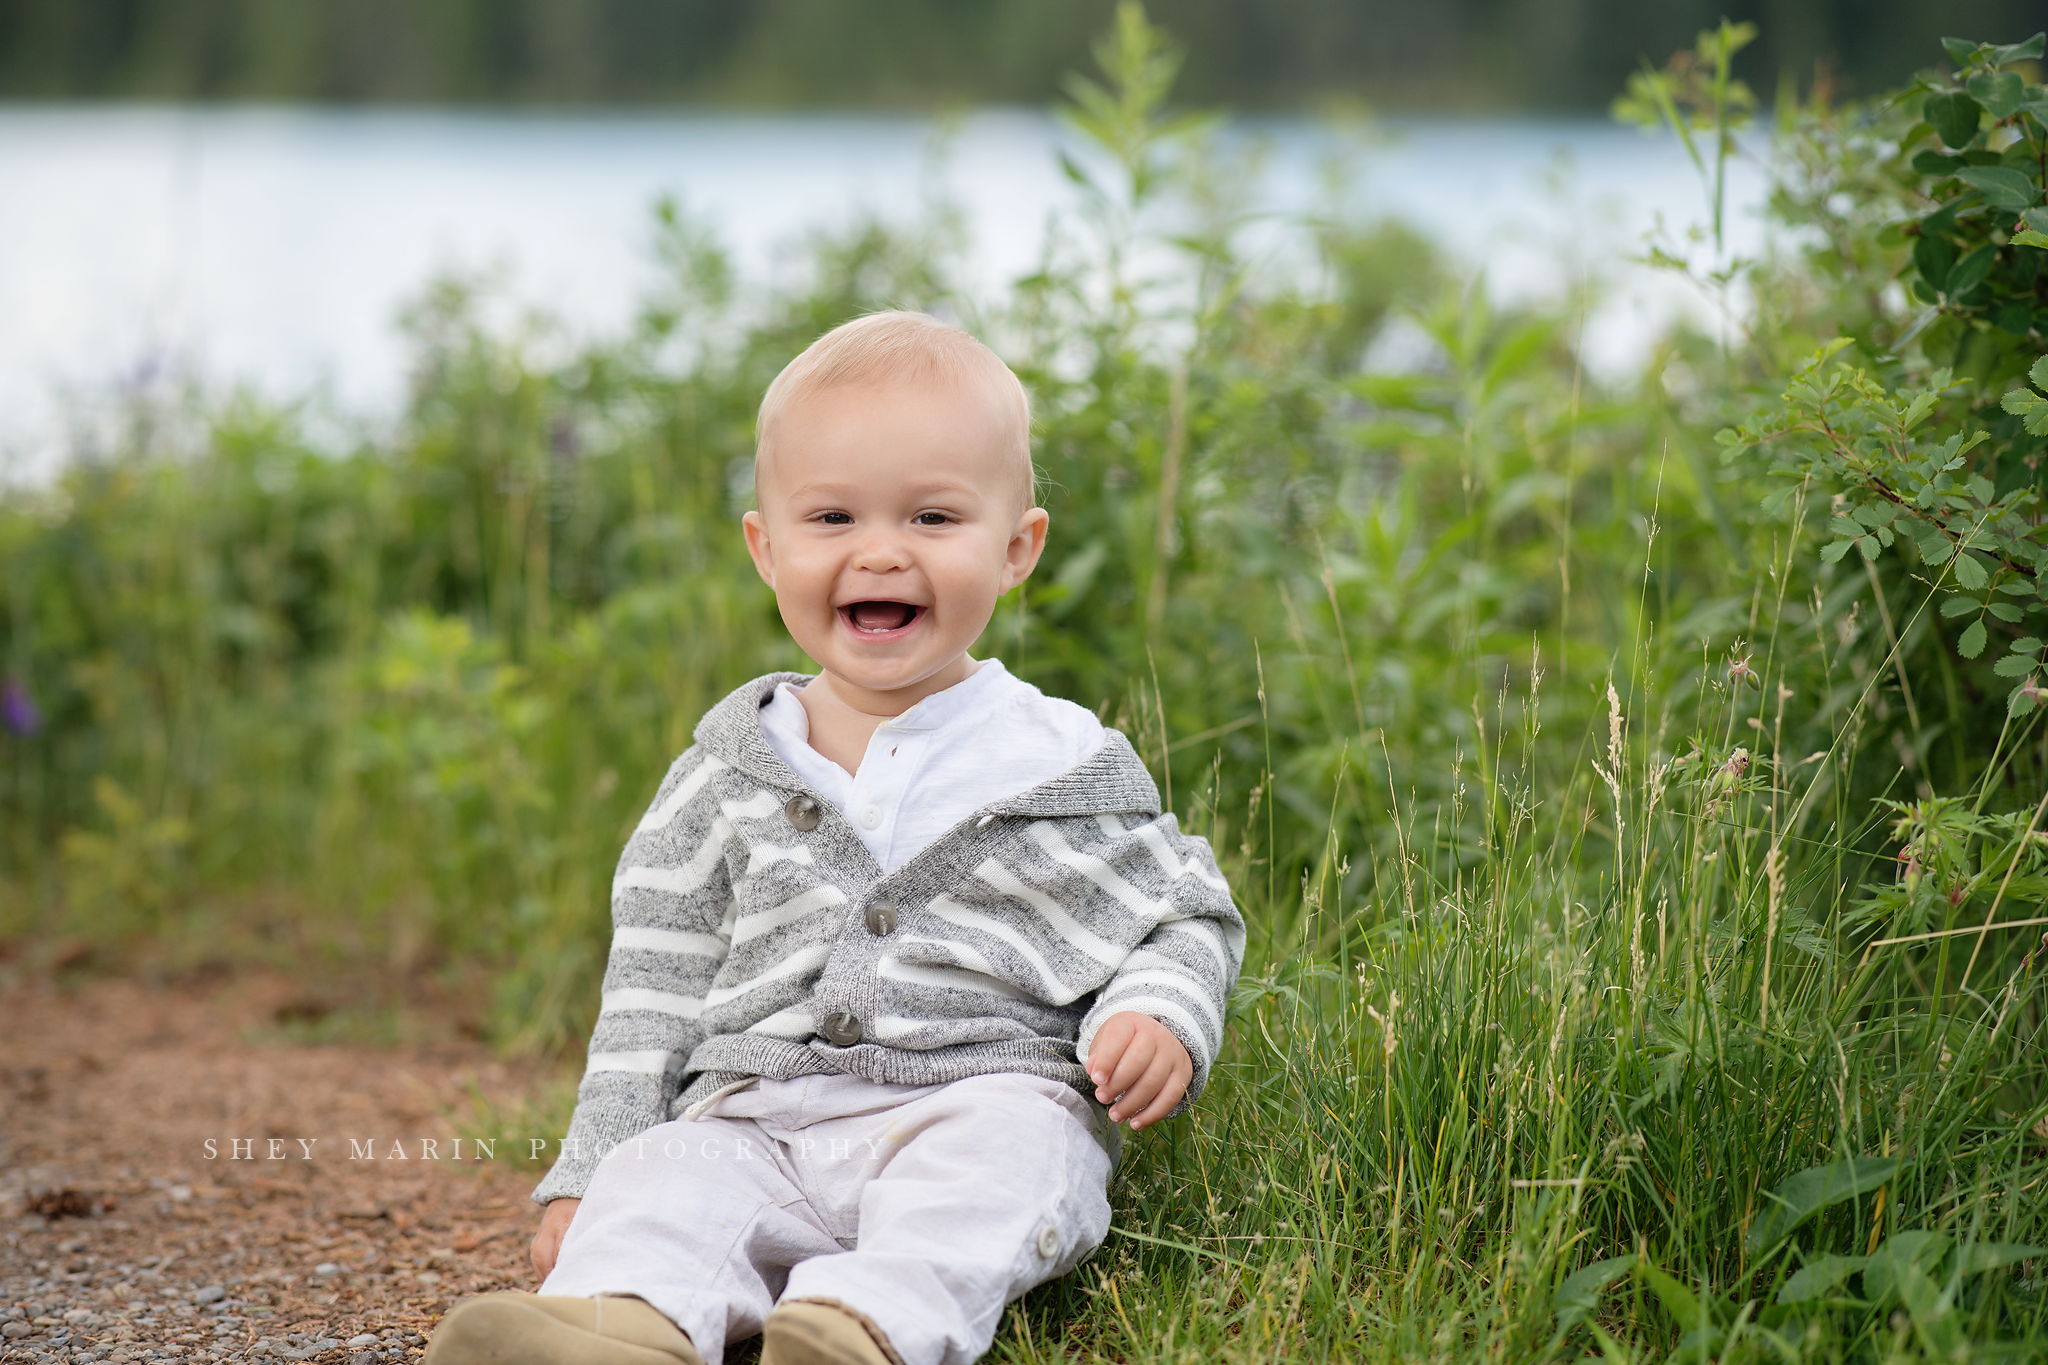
x: 533, y: 1149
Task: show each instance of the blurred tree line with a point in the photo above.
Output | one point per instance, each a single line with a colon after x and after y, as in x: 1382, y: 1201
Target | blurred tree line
x: 1559, y: 54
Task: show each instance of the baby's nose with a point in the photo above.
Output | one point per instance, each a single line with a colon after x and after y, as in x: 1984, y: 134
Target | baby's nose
x: 882, y: 551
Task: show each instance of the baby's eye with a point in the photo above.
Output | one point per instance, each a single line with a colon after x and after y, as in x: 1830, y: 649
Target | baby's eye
x: 835, y: 518
x: 930, y: 519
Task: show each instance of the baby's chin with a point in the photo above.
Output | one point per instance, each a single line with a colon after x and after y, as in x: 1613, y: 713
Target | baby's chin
x: 903, y: 666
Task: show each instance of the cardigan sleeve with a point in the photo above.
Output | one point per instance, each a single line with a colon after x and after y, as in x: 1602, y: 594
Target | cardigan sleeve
x: 1183, y: 971
x: 670, y: 932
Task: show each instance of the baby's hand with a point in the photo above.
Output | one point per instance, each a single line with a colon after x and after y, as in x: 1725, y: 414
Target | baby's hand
x: 1136, y: 1062
x: 547, y: 1243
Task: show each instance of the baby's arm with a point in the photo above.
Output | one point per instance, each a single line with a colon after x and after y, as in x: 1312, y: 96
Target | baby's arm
x: 669, y: 900
x: 1157, y: 1023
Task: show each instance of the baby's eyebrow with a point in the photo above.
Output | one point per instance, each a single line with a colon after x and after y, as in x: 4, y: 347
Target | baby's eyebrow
x: 916, y: 493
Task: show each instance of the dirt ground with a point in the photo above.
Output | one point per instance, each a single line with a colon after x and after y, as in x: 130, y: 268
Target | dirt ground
x: 178, y: 1183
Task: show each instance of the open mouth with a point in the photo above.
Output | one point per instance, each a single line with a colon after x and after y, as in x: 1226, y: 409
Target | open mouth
x: 879, y: 618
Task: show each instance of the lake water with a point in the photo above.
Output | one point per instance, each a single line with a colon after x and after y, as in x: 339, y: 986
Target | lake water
x: 275, y: 247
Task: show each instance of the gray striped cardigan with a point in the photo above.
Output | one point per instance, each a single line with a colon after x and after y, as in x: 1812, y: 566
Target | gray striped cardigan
x: 754, y: 935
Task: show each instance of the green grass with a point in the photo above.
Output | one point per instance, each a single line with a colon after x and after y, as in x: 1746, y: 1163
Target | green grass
x: 1446, y: 1096
x: 1548, y: 768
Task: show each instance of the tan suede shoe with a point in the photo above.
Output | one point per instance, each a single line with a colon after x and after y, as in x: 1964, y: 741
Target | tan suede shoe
x: 823, y: 1332
x: 531, y: 1329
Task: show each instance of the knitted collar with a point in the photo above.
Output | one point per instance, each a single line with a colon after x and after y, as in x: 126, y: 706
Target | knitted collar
x: 1111, y: 781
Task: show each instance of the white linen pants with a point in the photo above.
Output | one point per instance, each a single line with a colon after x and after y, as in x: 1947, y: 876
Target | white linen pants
x: 928, y: 1208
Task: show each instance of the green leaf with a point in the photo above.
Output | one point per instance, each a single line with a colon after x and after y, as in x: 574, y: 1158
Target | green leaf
x: 1953, y: 605
x: 1679, y: 1301
x: 1983, y: 1256
x: 2039, y: 372
x: 1972, y: 643
x: 1960, y: 51
x: 2004, y: 611
x: 2020, y: 402
x: 2028, y: 51
x: 2026, y: 644
x: 1832, y: 554
x: 1578, y: 1298
x: 1903, y: 1253
x: 2002, y: 188
x: 2001, y: 92
x: 1845, y: 526
x: 2014, y: 666
x: 1971, y: 574
x: 1937, y: 163
x: 1918, y: 409
x: 1981, y: 488
x: 1800, y: 1196
x: 1934, y: 257
x: 2029, y: 237
x: 2019, y: 703
x: 1868, y: 545
x: 1953, y: 115
x: 1970, y: 271
x: 1818, y: 1277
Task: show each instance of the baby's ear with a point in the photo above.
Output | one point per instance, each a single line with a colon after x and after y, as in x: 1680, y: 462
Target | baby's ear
x: 1027, y: 543
x: 755, y: 529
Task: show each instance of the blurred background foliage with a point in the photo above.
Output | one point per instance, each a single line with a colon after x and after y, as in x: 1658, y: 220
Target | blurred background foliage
x: 401, y: 698
x: 1479, y: 54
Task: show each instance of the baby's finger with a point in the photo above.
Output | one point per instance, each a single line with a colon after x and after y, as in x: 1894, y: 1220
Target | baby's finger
x: 1130, y: 1068
x: 1107, y: 1051
x: 1162, y: 1104
x: 1134, y: 1096
x: 1142, y: 1093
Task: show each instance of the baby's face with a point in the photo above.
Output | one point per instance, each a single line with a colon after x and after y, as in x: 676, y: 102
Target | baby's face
x: 891, y: 520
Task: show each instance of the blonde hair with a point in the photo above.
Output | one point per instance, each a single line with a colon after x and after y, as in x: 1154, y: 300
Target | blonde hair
x: 899, y: 348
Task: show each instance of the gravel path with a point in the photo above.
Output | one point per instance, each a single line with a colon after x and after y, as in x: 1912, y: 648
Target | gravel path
x: 125, y: 1237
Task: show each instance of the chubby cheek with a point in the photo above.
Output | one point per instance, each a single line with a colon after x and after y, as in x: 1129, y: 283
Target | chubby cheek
x: 969, y: 584
x: 805, y: 605
x: 804, y: 589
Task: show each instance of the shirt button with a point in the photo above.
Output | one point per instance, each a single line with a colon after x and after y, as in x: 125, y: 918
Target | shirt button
x: 1049, y: 1242
x: 842, y: 1030
x: 881, y: 917
x: 801, y: 812
x: 870, y: 817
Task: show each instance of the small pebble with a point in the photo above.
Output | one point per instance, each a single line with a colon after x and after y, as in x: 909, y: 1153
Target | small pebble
x: 327, y: 1268
x: 363, y: 1358
x: 213, y: 1293
x: 358, y: 1342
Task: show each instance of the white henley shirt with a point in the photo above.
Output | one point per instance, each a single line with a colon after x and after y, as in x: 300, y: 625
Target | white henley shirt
x: 987, y: 737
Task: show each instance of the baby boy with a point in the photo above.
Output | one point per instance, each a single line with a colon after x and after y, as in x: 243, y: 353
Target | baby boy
x: 887, y: 941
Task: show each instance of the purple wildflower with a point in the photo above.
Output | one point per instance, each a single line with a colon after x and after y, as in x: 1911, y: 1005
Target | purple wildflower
x: 17, y: 708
